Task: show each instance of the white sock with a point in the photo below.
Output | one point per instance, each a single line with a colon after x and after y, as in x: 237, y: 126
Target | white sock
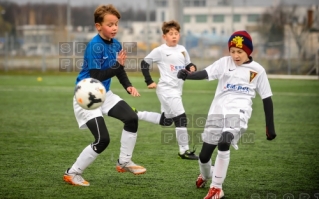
x: 149, y: 116
x: 220, y: 169
x: 205, y: 169
x: 128, y: 141
x: 86, y: 157
x: 182, y: 139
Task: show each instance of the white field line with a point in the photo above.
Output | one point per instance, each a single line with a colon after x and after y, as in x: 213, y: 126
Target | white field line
x: 71, y: 89
x: 303, y: 77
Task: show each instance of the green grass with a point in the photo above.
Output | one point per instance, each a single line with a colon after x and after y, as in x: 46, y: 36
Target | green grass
x: 39, y: 139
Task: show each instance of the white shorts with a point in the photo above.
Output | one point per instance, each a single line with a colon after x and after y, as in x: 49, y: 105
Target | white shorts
x: 216, y: 124
x: 171, y: 106
x: 83, y: 116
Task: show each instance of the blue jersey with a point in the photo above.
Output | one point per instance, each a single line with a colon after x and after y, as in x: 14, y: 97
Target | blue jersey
x: 99, y: 54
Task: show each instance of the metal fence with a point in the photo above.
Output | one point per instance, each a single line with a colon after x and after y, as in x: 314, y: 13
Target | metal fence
x: 203, y: 52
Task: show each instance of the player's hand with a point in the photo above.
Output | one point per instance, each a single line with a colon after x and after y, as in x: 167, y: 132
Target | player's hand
x: 133, y: 91
x: 192, y: 69
x: 152, y: 85
x: 182, y: 74
x: 121, y: 57
x: 270, y: 134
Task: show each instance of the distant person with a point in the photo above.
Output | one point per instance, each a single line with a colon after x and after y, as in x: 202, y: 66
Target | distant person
x: 170, y: 58
x: 104, y: 58
x: 239, y: 78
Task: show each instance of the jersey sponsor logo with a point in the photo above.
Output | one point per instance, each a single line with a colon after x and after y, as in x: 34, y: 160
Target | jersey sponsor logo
x: 234, y: 87
x: 231, y: 70
x: 176, y: 68
x: 168, y: 55
x: 252, y: 76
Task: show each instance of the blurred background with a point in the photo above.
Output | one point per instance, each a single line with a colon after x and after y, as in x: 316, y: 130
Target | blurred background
x: 285, y: 33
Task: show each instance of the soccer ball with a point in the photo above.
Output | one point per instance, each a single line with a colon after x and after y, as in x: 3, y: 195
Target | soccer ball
x: 90, y: 93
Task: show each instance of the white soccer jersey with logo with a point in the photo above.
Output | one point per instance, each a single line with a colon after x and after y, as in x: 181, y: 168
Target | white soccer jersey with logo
x: 169, y: 61
x: 237, y: 85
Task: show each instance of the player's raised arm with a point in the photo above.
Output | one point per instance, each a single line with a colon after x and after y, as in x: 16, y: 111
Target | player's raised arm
x: 108, y: 73
x: 118, y: 67
x: 198, y: 75
x: 191, y: 67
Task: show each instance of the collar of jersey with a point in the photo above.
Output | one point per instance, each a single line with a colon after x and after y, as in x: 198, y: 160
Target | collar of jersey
x: 250, y: 60
x: 106, y: 41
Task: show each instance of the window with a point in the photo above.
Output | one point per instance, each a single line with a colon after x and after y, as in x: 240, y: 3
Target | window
x: 187, y: 18
x: 161, y: 3
x: 252, y: 17
x: 187, y: 3
x: 223, y: 2
x: 201, y: 18
x: 236, y: 18
x: 218, y: 18
x: 163, y: 16
x: 199, y: 3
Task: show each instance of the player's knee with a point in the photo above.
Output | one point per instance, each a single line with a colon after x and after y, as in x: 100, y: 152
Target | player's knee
x: 100, y: 145
x: 225, y: 141
x: 131, y: 122
x: 204, y: 157
x: 180, y: 121
x: 165, y: 121
x: 206, y: 152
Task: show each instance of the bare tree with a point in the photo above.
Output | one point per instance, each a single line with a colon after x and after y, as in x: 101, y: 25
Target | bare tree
x: 282, y: 20
x: 271, y: 27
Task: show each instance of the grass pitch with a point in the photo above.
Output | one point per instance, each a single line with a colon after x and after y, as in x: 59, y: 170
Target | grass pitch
x: 39, y: 140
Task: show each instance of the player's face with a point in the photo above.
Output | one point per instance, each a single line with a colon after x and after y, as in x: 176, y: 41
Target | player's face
x: 108, y: 28
x: 239, y: 56
x: 172, y: 37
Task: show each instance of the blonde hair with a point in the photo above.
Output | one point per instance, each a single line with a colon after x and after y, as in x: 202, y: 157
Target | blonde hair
x: 169, y: 25
x: 102, y: 10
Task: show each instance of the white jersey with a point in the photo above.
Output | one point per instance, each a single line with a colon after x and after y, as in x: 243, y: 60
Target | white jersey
x: 237, y: 85
x: 169, y: 61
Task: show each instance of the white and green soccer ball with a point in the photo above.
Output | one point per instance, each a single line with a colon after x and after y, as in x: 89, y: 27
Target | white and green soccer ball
x: 90, y: 93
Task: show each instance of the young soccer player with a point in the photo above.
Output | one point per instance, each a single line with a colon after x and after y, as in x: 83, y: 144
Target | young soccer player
x: 104, y: 58
x: 239, y: 78
x: 170, y: 58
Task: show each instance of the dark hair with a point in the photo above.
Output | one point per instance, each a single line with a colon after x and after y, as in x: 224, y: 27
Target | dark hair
x: 169, y: 25
x: 102, y: 10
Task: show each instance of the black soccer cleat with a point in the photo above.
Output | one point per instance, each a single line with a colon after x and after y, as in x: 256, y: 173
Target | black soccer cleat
x: 134, y: 109
x: 189, y: 155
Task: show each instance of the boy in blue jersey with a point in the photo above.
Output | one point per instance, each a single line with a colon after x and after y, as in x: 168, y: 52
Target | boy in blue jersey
x: 103, y: 59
